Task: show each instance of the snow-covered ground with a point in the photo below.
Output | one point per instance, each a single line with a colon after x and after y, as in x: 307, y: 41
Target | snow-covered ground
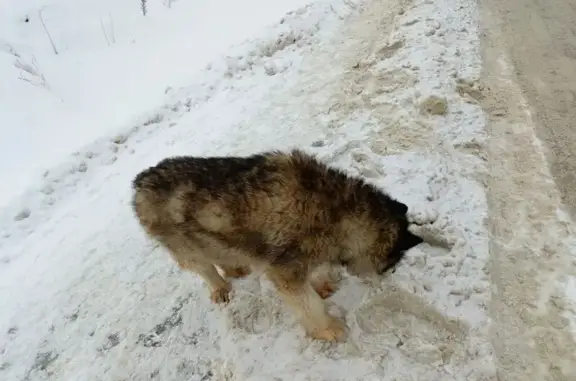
x: 112, y: 64
x: 381, y: 88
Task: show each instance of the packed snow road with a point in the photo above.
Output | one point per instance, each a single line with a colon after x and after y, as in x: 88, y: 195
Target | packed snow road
x: 388, y: 89
x: 528, y: 75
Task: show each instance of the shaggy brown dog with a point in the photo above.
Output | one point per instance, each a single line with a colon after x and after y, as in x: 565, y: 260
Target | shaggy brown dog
x: 284, y: 213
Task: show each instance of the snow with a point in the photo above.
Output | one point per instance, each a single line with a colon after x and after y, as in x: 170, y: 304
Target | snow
x: 112, y: 64
x: 85, y: 296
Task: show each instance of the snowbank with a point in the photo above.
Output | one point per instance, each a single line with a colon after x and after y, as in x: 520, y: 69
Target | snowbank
x: 112, y: 64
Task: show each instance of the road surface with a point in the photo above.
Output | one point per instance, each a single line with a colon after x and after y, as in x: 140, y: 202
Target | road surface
x: 540, y: 37
x: 530, y: 77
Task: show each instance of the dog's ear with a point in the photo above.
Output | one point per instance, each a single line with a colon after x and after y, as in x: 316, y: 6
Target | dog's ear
x: 408, y: 240
x: 398, y: 208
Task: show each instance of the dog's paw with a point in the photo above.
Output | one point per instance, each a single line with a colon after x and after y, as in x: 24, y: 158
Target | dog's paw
x: 325, y: 288
x: 220, y: 295
x: 237, y: 272
x: 335, y: 331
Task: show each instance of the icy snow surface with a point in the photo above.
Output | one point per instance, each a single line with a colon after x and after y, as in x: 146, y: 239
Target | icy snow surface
x: 112, y: 64
x: 85, y: 296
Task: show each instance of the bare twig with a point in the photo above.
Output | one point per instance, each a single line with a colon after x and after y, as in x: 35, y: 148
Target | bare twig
x: 35, y: 77
x: 28, y: 80
x: 143, y: 6
x: 104, y: 32
x: 112, y: 28
x: 47, y: 33
x: 10, y: 49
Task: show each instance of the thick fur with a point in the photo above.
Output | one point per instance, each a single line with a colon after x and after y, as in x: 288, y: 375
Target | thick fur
x: 285, y: 213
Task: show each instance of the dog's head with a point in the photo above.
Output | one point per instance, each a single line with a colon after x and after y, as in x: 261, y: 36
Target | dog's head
x: 402, y: 241
x: 394, y: 235
x: 388, y: 260
x: 387, y: 244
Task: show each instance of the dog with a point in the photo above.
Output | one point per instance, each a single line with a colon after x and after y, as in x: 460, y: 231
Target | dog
x: 285, y: 213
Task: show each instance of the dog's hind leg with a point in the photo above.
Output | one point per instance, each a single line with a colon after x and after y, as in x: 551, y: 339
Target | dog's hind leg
x: 219, y: 287
x: 304, y: 301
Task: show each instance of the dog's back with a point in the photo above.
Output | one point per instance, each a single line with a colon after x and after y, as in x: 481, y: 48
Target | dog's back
x: 169, y: 194
x: 257, y: 203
